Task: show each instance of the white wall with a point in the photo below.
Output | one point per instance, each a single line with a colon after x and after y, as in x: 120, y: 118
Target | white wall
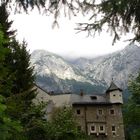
x: 115, y: 97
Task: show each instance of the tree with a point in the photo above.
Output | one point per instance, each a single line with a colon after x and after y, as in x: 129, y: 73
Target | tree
x: 17, y: 86
x: 63, y: 126
x: 23, y: 91
x: 5, y: 23
x: 35, y: 122
x: 20, y: 103
x: 22, y: 68
x: 5, y: 77
x: 119, y: 16
x: 7, y: 35
x: 8, y: 128
x: 132, y: 110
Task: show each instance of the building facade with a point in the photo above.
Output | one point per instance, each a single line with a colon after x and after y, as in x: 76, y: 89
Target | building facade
x: 99, y: 116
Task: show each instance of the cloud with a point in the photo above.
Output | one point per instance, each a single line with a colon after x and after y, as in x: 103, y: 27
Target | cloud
x: 37, y: 31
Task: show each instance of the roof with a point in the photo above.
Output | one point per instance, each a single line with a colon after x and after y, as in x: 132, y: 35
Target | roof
x: 113, y: 87
x: 77, y: 99
x: 96, y: 99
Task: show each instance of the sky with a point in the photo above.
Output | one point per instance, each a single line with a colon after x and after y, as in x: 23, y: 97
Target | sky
x: 64, y: 40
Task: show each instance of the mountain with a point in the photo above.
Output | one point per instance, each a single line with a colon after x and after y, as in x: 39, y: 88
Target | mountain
x: 120, y: 66
x: 54, y: 73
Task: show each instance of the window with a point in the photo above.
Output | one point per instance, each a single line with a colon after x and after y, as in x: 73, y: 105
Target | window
x: 78, y: 111
x: 101, y: 128
x: 113, y: 128
x: 112, y: 111
x: 100, y: 112
x: 114, y: 133
x: 114, y: 95
x: 92, y: 128
x: 93, y: 97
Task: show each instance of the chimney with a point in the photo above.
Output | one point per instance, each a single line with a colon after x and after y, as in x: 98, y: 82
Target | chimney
x: 81, y: 92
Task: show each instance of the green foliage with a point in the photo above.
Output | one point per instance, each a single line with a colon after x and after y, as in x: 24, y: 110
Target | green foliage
x: 8, y: 128
x: 5, y: 77
x: 136, y: 134
x: 63, y: 126
x: 36, y: 131
x: 20, y: 103
x: 5, y: 23
x: 34, y: 122
x: 5, y: 36
x: 21, y: 67
x: 31, y: 117
x: 64, y: 123
x: 132, y: 111
x: 134, y: 87
x: 16, y: 84
x: 2, y: 50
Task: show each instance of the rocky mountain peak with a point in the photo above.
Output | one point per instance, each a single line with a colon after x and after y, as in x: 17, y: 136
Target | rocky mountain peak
x: 55, y: 71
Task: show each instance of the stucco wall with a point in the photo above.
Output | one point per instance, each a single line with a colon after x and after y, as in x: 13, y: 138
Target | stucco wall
x: 115, y: 96
x: 89, y: 116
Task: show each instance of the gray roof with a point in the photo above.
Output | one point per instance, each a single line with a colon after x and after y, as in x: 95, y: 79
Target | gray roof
x: 89, y: 99
x: 77, y: 99
x: 113, y: 87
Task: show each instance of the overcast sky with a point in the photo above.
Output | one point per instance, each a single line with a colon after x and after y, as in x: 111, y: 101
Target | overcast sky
x: 37, y: 31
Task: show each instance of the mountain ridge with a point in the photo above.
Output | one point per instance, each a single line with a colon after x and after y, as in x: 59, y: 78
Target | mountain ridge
x: 55, y: 73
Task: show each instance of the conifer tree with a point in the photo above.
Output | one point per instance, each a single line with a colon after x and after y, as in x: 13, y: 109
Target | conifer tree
x: 17, y: 59
x: 20, y: 104
x: 9, y: 128
x: 7, y: 34
x: 23, y: 91
x: 5, y: 76
x: 17, y: 79
x: 5, y: 23
x: 3, y: 52
x: 21, y: 67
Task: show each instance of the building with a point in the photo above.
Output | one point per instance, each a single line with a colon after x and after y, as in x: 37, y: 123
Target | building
x: 100, y: 116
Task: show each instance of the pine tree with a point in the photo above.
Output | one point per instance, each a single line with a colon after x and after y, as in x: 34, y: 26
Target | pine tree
x: 5, y: 23
x: 17, y: 59
x: 20, y: 103
x: 22, y: 68
x: 9, y: 128
x: 23, y: 83
x: 7, y: 35
x: 17, y: 81
x: 5, y: 76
